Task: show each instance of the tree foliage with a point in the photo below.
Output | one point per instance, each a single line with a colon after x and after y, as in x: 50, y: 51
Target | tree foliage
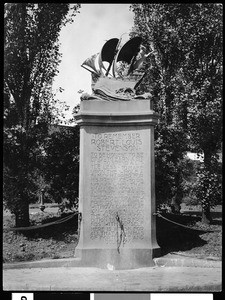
x: 31, y: 58
x: 31, y: 55
x: 61, y: 164
x: 185, y: 78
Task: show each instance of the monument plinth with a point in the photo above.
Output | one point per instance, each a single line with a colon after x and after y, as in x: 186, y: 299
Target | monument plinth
x: 117, y: 172
x: 117, y: 184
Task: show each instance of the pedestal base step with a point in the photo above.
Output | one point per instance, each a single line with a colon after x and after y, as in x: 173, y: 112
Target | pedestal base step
x: 113, y: 259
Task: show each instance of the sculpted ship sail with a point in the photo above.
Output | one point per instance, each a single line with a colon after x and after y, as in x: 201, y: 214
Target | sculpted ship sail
x: 116, y: 70
x: 128, y: 54
x: 108, y: 53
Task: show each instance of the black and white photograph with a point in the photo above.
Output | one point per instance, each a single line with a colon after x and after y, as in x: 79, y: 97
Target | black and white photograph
x: 112, y: 149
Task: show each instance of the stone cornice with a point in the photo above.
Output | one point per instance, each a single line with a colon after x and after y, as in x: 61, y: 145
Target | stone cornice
x: 116, y: 113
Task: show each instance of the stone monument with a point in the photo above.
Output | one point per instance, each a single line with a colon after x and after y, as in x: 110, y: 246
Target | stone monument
x: 117, y: 171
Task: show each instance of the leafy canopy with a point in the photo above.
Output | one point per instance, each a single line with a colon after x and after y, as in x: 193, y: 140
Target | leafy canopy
x: 185, y: 79
x: 31, y: 59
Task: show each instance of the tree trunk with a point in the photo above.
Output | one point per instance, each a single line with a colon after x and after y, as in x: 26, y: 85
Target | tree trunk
x: 175, y: 205
x: 206, y: 215
x: 176, y: 200
x: 22, y: 214
x: 207, y: 158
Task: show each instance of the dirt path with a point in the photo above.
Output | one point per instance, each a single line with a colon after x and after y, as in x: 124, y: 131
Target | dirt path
x: 93, y: 279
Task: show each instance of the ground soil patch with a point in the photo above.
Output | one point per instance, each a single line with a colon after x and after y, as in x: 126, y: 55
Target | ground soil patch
x: 59, y: 241
x: 56, y: 241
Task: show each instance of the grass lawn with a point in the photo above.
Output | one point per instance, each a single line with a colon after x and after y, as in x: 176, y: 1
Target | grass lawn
x: 59, y: 241
x: 204, y: 242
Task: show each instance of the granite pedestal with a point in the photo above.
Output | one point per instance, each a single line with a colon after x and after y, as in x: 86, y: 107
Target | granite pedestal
x: 117, y: 184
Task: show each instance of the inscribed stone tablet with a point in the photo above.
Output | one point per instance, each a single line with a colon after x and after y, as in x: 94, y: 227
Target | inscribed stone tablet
x: 119, y: 182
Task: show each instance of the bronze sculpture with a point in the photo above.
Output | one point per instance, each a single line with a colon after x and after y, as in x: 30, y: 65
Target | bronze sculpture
x: 121, y: 77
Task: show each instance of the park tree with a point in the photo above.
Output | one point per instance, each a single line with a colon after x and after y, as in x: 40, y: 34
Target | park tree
x: 150, y: 22
x: 185, y: 79
x: 203, y: 85
x: 31, y: 58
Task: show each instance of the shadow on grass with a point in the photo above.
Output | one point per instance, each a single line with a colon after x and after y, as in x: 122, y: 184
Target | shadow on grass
x: 172, y: 237
x: 56, y: 231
